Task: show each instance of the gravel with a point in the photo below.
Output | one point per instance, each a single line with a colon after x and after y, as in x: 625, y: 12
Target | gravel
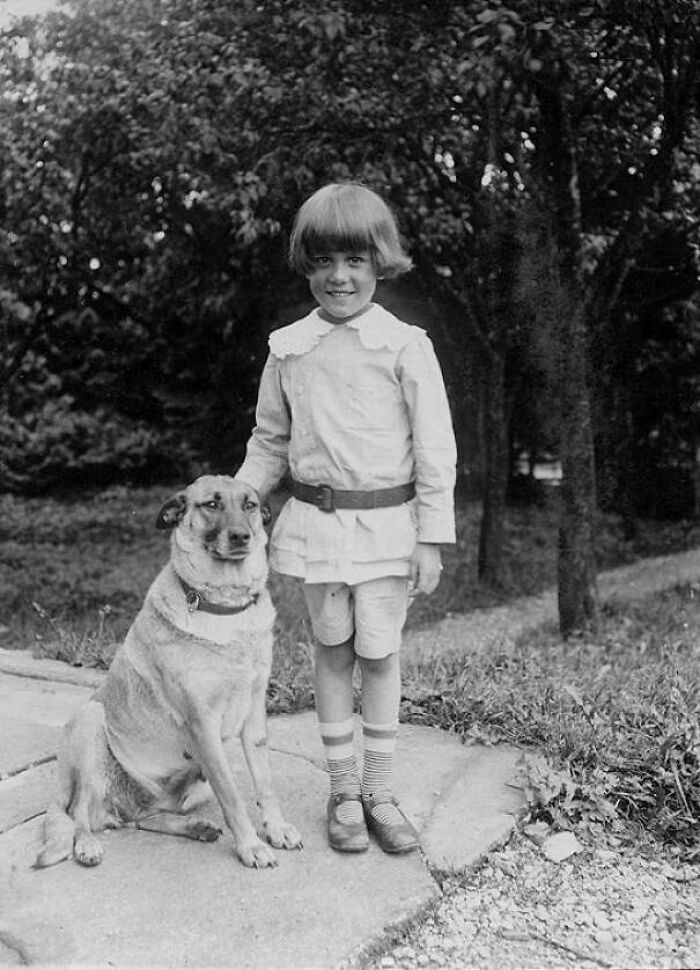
x: 622, y: 907
x: 598, y: 908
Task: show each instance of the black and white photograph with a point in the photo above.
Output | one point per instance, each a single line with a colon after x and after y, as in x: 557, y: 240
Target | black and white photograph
x: 350, y: 484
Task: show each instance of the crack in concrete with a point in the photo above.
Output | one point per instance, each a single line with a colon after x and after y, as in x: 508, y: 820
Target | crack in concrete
x: 13, y: 772
x: 299, y: 757
x: 16, y: 825
x: 15, y: 945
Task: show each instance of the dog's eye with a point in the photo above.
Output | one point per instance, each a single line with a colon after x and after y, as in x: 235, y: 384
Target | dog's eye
x: 250, y: 506
x: 210, y: 505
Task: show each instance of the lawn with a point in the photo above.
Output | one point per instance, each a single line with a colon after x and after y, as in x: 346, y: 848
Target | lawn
x: 617, y: 713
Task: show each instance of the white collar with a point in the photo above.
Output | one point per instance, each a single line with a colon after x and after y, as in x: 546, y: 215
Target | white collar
x: 376, y: 328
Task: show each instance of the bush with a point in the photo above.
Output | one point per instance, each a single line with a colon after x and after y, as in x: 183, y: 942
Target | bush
x: 56, y: 444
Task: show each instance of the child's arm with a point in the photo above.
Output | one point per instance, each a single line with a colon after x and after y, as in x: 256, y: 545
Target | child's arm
x: 266, y: 460
x: 435, y: 458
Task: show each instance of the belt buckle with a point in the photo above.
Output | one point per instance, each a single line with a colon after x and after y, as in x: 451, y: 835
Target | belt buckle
x: 324, y: 498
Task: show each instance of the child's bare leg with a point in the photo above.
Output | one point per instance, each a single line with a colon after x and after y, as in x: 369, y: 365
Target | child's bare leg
x: 333, y: 671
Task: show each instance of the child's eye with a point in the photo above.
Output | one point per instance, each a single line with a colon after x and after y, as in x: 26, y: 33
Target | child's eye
x: 356, y: 260
x: 322, y: 260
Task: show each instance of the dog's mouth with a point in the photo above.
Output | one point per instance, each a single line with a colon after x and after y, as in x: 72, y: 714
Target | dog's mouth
x: 232, y: 555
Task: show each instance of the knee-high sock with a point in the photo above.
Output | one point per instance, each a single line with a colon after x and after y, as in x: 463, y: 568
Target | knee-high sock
x: 379, y: 741
x: 339, y: 749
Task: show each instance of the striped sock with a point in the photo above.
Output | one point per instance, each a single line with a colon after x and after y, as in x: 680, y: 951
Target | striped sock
x: 378, y: 766
x: 339, y: 747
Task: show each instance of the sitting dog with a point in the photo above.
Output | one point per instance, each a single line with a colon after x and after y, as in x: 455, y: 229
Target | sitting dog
x: 191, y: 675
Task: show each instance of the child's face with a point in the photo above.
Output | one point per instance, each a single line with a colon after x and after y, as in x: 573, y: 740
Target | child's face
x: 343, y: 283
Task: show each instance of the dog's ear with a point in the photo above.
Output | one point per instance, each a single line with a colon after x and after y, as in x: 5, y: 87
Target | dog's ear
x: 265, y: 512
x: 172, y: 512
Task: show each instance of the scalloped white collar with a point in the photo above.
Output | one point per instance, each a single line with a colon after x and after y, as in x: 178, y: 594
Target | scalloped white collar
x: 376, y: 328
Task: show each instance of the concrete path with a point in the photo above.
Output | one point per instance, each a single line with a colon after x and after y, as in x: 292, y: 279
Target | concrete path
x: 162, y: 901
x: 493, y: 629
x: 158, y: 901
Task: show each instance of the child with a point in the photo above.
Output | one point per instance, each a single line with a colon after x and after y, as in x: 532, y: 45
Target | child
x: 352, y: 403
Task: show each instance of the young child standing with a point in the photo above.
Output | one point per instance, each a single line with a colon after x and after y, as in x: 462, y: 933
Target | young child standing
x: 352, y: 404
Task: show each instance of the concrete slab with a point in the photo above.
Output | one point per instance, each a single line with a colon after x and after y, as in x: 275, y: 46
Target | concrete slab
x: 24, y: 664
x: 159, y: 901
x: 24, y: 796
x: 33, y: 714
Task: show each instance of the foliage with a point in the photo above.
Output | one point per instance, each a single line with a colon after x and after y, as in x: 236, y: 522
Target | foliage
x: 154, y: 155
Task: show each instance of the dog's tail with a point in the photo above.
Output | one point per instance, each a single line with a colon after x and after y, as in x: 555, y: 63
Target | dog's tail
x: 57, y: 838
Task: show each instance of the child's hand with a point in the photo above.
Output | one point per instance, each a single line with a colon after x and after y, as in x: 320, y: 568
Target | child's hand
x: 426, y: 567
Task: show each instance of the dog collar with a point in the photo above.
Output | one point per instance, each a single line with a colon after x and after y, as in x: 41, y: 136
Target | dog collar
x: 195, y: 601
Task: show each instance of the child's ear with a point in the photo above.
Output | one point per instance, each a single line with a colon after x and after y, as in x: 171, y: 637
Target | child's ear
x: 265, y: 512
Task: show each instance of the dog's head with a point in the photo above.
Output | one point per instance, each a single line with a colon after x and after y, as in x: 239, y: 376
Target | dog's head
x: 218, y: 516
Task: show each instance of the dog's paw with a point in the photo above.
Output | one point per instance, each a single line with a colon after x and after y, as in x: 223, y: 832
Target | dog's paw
x: 87, y: 850
x: 256, y: 855
x: 202, y: 830
x: 282, y: 835
x: 50, y: 855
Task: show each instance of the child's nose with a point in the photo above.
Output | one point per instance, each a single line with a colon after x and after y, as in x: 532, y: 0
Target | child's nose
x: 339, y: 269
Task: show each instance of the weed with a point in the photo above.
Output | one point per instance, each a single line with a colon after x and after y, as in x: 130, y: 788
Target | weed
x: 87, y: 648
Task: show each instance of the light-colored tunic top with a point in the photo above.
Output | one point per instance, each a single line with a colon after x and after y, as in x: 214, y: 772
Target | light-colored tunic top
x: 359, y: 405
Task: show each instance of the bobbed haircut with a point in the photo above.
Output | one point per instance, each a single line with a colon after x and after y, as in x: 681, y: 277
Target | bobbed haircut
x: 347, y: 217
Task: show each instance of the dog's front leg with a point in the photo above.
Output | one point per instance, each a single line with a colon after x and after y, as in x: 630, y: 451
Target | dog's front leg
x: 254, y: 737
x: 209, y: 750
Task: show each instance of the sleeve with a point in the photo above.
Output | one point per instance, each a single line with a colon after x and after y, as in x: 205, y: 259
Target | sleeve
x: 434, y: 448
x: 266, y: 460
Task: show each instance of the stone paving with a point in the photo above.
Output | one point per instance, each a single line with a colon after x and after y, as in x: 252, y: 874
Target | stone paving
x: 162, y: 901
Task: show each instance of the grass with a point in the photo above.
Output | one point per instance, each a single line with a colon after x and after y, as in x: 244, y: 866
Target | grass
x: 616, y: 714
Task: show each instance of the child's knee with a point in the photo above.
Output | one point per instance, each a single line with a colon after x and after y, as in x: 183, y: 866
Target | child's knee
x: 337, y: 657
x: 379, y: 667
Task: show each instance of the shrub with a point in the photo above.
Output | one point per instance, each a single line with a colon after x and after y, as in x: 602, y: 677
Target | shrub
x: 57, y: 444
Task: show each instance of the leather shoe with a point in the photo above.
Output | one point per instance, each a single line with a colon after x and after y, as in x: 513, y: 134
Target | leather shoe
x: 394, y: 837
x: 345, y: 836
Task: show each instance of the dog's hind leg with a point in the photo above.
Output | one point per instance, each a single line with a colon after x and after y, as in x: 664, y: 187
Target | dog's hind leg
x: 278, y: 833
x: 189, y: 826
x: 182, y: 809
x: 80, y: 809
x: 58, y: 833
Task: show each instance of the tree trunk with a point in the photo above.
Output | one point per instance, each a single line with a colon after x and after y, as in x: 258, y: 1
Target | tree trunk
x: 495, y: 472
x: 576, y: 561
x: 576, y: 570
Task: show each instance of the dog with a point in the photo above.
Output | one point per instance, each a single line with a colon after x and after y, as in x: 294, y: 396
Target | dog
x: 148, y: 748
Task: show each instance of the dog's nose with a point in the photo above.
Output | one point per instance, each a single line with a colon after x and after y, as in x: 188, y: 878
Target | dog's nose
x: 238, y: 537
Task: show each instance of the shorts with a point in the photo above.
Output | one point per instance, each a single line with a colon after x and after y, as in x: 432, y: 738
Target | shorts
x: 374, y: 611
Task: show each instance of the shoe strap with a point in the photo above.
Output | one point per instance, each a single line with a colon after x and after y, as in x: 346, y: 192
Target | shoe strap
x: 344, y: 796
x: 381, y: 798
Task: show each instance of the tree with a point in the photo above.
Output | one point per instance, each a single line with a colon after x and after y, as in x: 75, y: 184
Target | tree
x: 153, y: 163
x: 563, y: 58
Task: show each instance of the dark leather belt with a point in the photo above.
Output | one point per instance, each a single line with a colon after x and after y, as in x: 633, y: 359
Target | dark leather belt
x: 327, y: 499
